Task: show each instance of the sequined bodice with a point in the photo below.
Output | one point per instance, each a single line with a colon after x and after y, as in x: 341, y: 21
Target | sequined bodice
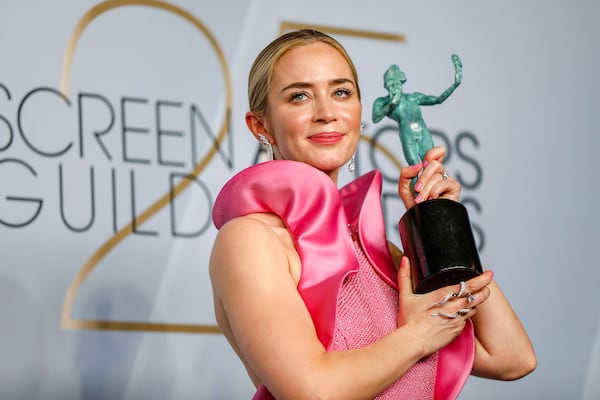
x: 366, y: 311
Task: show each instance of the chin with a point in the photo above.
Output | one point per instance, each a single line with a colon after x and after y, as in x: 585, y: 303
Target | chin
x: 328, y: 164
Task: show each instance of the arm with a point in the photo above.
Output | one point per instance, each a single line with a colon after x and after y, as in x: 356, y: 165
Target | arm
x: 503, y: 349
x: 381, y: 108
x: 431, y: 100
x: 264, y: 317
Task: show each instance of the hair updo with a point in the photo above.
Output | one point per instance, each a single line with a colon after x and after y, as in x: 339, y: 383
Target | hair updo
x: 261, y: 73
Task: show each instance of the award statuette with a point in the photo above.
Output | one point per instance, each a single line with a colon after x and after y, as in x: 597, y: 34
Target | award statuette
x: 436, y: 234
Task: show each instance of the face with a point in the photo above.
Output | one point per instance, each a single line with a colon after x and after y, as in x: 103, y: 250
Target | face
x: 314, y: 113
x: 394, y: 83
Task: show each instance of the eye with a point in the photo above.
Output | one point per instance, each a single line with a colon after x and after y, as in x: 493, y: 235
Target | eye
x: 298, y: 96
x: 342, y: 92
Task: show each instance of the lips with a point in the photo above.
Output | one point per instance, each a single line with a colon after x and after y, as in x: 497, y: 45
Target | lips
x: 326, y: 137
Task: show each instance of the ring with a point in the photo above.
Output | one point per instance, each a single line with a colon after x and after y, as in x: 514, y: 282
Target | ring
x: 445, y: 315
x: 470, y: 298
x: 459, y: 313
x: 453, y: 295
x: 444, y: 175
x: 448, y: 297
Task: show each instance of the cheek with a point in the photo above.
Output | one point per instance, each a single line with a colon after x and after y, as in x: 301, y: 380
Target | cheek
x: 353, y: 116
x: 289, y: 123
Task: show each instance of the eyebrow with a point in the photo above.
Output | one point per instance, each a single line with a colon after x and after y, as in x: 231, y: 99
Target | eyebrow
x: 303, y: 85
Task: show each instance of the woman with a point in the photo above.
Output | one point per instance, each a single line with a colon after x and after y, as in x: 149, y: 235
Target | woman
x: 306, y: 289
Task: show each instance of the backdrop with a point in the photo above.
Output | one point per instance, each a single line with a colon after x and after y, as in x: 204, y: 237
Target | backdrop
x: 121, y: 120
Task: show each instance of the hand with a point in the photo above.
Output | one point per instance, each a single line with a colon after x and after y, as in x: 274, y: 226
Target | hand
x: 431, y: 183
x: 424, y: 313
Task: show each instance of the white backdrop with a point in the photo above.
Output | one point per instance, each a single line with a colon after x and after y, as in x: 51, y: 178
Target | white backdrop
x: 86, y: 150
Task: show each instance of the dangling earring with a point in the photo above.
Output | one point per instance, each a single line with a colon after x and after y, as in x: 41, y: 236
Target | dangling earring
x: 352, y: 164
x: 267, y: 145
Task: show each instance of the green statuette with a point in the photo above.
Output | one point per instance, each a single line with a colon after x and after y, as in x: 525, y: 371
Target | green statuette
x: 405, y: 109
x: 436, y: 234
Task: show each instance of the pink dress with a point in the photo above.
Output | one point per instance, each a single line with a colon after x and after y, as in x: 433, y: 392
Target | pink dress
x: 349, y: 287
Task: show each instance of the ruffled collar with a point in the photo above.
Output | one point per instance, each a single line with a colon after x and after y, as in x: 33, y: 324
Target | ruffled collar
x: 319, y: 217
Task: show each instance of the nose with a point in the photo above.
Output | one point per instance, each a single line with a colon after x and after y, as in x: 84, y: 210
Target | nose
x: 324, y: 110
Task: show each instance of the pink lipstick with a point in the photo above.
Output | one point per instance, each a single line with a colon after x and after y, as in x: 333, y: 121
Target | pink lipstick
x: 326, y: 137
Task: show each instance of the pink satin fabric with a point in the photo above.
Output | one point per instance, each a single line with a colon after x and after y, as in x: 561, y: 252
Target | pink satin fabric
x: 318, y: 217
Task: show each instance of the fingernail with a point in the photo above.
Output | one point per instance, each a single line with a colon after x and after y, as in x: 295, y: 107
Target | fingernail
x: 417, y: 166
x: 418, y: 186
x: 425, y: 163
x: 418, y: 199
x: 403, y: 262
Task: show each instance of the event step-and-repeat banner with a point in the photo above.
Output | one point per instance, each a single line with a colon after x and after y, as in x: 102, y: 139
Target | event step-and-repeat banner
x: 120, y: 120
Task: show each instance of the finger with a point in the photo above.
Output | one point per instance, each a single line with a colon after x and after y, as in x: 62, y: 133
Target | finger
x: 433, y: 163
x: 445, y: 188
x: 436, y: 153
x: 410, y: 171
x: 479, y: 282
x: 469, y: 291
x: 435, y: 183
x: 405, y: 278
x: 461, y: 312
x: 431, y: 176
x: 474, y: 299
x: 404, y: 184
x: 448, y: 293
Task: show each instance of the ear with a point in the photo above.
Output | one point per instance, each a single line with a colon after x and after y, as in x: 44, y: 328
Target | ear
x: 257, y: 125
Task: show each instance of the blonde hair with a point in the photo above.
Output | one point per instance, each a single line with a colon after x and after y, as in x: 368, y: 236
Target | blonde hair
x: 261, y: 73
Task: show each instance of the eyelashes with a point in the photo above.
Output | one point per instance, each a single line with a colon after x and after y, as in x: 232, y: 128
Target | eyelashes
x: 300, y: 96
x: 343, y: 92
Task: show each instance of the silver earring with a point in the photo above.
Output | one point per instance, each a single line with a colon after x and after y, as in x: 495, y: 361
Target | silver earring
x: 267, y: 145
x: 352, y: 164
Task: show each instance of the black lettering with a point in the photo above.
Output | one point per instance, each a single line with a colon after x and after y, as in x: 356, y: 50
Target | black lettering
x: 164, y: 132
x: 113, y: 183
x: 97, y: 133
x: 6, y: 122
x: 134, y: 221
x: 20, y: 124
x: 203, y: 226
x: 38, y: 202
x: 127, y: 129
x: 217, y: 146
x: 79, y: 205
x: 460, y: 139
x: 479, y: 236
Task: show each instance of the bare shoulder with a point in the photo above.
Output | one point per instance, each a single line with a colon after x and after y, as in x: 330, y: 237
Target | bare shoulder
x: 250, y: 244
x: 241, y: 238
x: 241, y: 230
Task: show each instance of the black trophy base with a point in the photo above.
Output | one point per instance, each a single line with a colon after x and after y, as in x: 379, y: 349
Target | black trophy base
x: 438, y: 240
